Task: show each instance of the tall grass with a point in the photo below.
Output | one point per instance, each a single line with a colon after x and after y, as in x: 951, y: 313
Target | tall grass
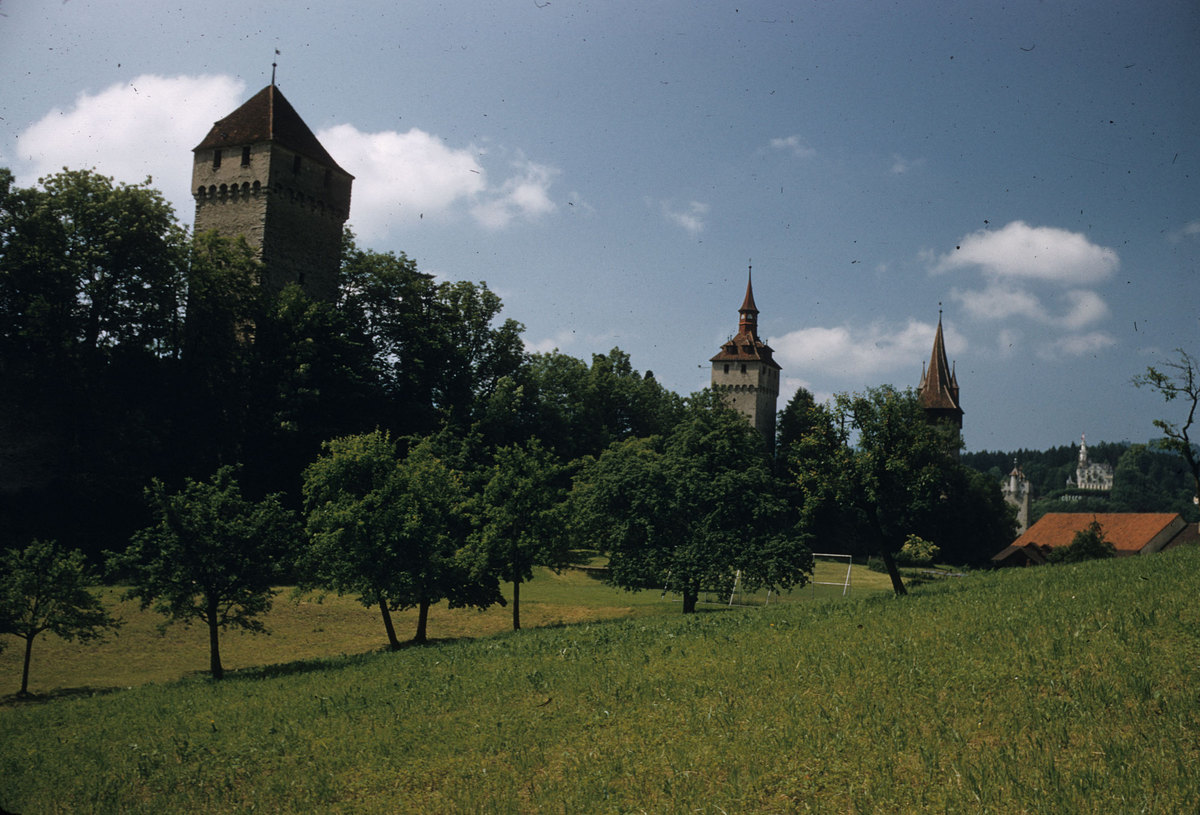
x: 1067, y: 689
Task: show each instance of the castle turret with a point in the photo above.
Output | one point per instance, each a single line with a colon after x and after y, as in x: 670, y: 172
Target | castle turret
x: 262, y: 174
x: 746, y: 373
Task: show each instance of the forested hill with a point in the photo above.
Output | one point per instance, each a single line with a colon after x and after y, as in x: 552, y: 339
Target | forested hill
x: 1145, y: 479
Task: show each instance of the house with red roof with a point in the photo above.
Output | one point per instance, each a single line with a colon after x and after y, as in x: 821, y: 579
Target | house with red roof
x: 1131, y: 533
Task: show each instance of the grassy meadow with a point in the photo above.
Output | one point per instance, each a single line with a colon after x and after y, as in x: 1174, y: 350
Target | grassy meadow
x: 1048, y: 690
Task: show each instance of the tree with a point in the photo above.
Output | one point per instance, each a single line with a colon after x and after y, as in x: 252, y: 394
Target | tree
x: 44, y: 587
x: 690, y: 510
x: 1178, y: 379
x: 1087, y: 544
x: 213, y: 556
x: 891, y: 483
x: 521, y: 522
x: 392, y: 530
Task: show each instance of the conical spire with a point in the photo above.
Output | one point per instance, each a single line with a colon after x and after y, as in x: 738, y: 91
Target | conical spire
x: 939, y: 384
x: 748, y: 313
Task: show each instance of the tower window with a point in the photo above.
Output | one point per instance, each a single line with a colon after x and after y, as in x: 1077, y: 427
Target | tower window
x: 216, y: 159
x: 743, y: 369
x: 726, y: 367
x: 246, y: 156
x: 296, y: 164
x: 328, y: 176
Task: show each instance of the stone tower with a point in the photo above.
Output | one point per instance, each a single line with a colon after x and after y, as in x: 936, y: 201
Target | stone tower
x: 746, y: 372
x: 1018, y: 492
x: 938, y: 391
x: 261, y: 173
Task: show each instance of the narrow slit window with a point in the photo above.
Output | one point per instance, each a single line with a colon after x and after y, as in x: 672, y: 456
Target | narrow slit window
x: 216, y: 159
x: 246, y: 156
x: 296, y: 164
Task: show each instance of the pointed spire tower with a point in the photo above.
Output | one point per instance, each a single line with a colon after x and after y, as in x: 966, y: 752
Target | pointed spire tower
x: 746, y: 372
x: 261, y: 173
x: 938, y: 391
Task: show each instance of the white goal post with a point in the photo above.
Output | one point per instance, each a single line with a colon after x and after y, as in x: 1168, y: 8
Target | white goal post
x: 833, y: 573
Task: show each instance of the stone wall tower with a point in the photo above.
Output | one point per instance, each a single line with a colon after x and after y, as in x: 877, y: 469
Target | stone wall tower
x: 1018, y: 492
x: 261, y: 173
x: 746, y: 373
x: 938, y: 391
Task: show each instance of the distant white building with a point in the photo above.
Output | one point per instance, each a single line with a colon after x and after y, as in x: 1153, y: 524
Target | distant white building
x: 1095, y: 476
x: 1018, y: 492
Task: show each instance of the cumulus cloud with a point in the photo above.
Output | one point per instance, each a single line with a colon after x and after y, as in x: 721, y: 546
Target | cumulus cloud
x: 131, y: 130
x: 149, y: 125
x: 691, y: 217
x: 526, y: 195
x: 1075, y: 345
x: 850, y: 352
x: 1188, y: 230
x: 1020, y: 251
x: 901, y: 165
x: 401, y: 176
x: 793, y: 145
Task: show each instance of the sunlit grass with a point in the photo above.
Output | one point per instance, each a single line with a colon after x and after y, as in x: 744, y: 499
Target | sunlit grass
x: 1049, y: 690
x: 314, y: 626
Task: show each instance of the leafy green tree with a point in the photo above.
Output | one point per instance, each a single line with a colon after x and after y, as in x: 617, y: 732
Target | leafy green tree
x: 213, y: 556
x: 891, y: 483
x: 392, y: 530
x: 1087, y: 544
x: 689, y: 510
x: 521, y: 519
x: 1178, y: 379
x: 917, y: 551
x: 43, y: 588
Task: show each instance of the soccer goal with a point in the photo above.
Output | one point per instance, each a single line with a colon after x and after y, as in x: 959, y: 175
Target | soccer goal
x: 832, y: 570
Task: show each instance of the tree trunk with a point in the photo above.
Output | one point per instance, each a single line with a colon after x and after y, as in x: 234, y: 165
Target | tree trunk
x: 893, y: 571
x: 393, y: 643
x: 25, y: 671
x: 517, y: 603
x: 214, y: 644
x: 422, y: 622
x: 690, y: 596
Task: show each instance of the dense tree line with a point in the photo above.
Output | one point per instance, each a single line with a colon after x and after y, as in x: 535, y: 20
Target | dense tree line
x: 217, y: 438
x: 1146, y: 478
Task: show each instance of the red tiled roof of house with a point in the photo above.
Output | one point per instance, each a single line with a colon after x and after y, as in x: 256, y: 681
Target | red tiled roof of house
x: 267, y: 116
x: 1129, y: 532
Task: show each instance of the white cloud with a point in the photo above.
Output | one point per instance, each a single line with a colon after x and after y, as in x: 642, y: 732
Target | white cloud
x: 1188, y: 230
x: 401, y: 176
x: 1076, y: 345
x: 1003, y: 301
x: 1084, y: 307
x: 563, y: 339
x: 526, y: 195
x: 148, y: 127
x: 144, y: 127
x: 849, y: 352
x: 691, y: 218
x: 901, y: 165
x: 1020, y: 251
x: 794, y: 145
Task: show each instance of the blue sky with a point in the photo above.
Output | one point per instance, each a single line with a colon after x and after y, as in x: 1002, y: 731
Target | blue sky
x: 612, y: 168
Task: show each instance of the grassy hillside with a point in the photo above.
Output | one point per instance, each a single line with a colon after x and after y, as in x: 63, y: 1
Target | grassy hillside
x: 1067, y: 689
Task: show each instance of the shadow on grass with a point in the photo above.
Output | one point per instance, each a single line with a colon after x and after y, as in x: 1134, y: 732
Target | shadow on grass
x: 317, y: 664
x: 15, y: 699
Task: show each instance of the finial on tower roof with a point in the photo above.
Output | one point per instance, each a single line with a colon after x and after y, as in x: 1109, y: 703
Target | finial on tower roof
x: 273, y: 63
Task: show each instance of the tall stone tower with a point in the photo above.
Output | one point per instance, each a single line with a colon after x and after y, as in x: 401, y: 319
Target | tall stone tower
x: 746, y: 372
x: 938, y: 391
x: 1018, y: 492
x: 261, y: 173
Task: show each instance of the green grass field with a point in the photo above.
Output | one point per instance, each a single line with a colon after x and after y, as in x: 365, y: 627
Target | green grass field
x: 1049, y: 690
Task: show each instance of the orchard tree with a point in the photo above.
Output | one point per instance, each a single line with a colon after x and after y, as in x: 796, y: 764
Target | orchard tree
x: 1087, y: 544
x: 891, y: 483
x: 393, y: 530
x: 43, y: 588
x: 521, y: 519
x: 690, y: 510
x: 213, y: 556
x: 1178, y: 379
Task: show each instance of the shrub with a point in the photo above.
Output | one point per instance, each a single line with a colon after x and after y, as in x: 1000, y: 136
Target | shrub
x: 917, y: 551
